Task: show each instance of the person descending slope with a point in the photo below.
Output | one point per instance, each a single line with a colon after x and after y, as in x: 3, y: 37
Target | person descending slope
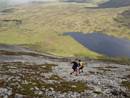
x: 75, y: 67
x: 81, y: 66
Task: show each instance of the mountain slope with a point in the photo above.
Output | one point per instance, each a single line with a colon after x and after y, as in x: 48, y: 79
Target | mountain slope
x: 41, y: 27
x: 124, y: 18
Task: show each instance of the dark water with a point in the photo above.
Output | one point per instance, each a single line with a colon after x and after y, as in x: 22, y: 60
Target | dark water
x: 115, y: 3
x: 77, y: 1
x: 103, y: 44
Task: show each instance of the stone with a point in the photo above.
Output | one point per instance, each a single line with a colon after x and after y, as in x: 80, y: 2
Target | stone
x: 19, y: 96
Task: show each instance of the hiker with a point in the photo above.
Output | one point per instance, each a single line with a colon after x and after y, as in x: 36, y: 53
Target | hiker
x: 75, y: 67
x: 81, y: 66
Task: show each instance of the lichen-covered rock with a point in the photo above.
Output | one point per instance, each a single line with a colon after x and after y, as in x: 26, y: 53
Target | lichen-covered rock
x: 5, y: 92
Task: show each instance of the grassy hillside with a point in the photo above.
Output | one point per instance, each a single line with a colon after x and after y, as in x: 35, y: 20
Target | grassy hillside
x: 124, y: 18
x: 41, y: 27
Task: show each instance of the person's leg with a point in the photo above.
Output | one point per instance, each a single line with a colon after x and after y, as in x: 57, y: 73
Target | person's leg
x: 72, y: 72
x: 82, y: 69
x: 79, y: 70
x: 76, y: 71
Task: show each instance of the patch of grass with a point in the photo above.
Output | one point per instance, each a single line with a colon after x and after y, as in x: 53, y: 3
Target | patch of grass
x: 47, y: 67
x: 3, y: 52
x: 68, y: 86
x: 29, y: 72
x: 124, y: 18
x: 128, y: 76
x: 97, y: 92
x: 63, y: 86
x: 126, y: 84
x: 73, y: 86
x: 125, y: 61
x: 27, y: 90
x: 55, y: 77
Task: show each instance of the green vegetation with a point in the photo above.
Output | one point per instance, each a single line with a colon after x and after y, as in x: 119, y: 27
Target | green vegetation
x: 124, y: 18
x: 2, y: 52
x: 126, y: 84
x: 33, y: 78
x: 27, y: 89
x: 67, y: 86
x: 55, y: 77
x: 71, y: 86
x: 47, y: 67
x: 125, y: 61
x: 97, y: 92
x: 41, y: 27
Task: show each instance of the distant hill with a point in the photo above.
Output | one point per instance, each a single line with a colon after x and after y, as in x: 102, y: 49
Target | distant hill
x: 78, y: 1
x: 115, y: 3
x: 85, y: 1
x: 100, y: 3
x: 103, y: 3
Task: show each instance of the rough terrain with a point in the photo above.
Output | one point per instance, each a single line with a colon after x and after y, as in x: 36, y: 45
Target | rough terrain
x: 37, y: 76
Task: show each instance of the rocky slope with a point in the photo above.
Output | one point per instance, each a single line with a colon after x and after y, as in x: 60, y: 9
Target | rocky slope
x: 31, y: 76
